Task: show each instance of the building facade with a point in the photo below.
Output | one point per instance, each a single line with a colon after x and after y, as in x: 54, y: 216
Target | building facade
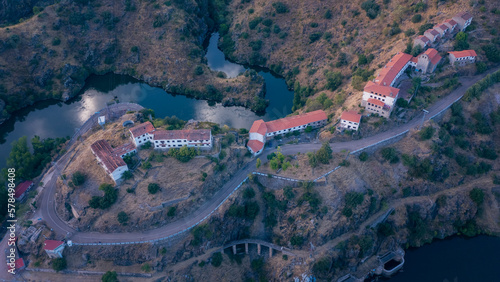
x: 462, y: 57
x: 428, y: 61
x: 262, y: 131
x: 463, y: 20
x: 166, y: 139
x: 422, y: 41
x: 350, y: 120
x: 432, y: 34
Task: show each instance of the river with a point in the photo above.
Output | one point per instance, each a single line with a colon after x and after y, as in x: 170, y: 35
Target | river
x: 58, y: 119
x: 455, y: 259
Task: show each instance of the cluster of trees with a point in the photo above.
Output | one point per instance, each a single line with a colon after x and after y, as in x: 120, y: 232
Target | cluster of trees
x: 476, y: 90
x: 104, y: 202
x: 352, y: 200
x: 371, y: 8
x: 183, y: 154
x: 321, y: 102
x: 277, y: 161
x: 249, y: 210
x: 323, y: 155
x: 273, y: 205
x: 310, y: 196
x: 169, y: 123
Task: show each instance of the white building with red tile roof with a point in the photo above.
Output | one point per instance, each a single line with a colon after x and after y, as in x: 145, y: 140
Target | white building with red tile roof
x: 432, y: 34
x: 262, y: 131
x: 451, y: 24
x: 463, y: 20
x: 54, y: 248
x: 22, y: 189
x: 166, y: 139
x: 442, y: 29
x: 462, y: 57
x: 111, y: 159
x: 377, y: 107
x: 421, y: 40
x: 350, y: 120
x: 428, y: 60
x: 396, y: 66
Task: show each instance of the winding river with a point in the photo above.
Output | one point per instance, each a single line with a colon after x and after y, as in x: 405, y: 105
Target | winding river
x: 58, y: 119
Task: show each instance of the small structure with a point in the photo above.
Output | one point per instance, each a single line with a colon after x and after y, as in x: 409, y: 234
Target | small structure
x: 22, y: 189
x: 428, y: 61
x: 112, y: 159
x: 391, y: 262
x: 463, y: 20
x: 262, y: 131
x: 462, y: 57
x: 101, y: 120
x: 432, y: 34
x: 421, y: 40
x: 350, y: 120
x: 54, y: 248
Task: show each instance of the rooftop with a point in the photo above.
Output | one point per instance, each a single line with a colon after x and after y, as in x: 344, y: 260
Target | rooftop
x: 21, y: 188
x: 351, y: 116
x: 389, y: 91
x: 188, y: 134
x: 423, y: 38
x: 433, y: 55
x: 294, y: 121
x: 464, y: 53
x: 432, y: 31
x: 452, y: 22
x: 464, y: 15
x: 376, y: 102
x: 255, y: 145
x: 51, y: 245
x: 389, y: 72
x: 141, y: 129
x: 259, y: 126
x: 106, y: 154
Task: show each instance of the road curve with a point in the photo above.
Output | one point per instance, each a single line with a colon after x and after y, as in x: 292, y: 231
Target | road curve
x: 61, y: 228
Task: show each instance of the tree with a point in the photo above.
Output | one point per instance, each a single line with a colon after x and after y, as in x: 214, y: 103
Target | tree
x: 333, y: 80
x: 59, y: 264
x: 477, y: 195
x: 153, y: 188
x: 127, y: 175
x: 78, y: 178
x: 324, y: 154
x: 371, y: 8
x: 104, y: 202
x: 216, y: 259
x: 259, y: 163
x: 280, y: 7
x: 461, y: 41
x: 122, y: 218
x: 110, y: 276
x: 363, y: 156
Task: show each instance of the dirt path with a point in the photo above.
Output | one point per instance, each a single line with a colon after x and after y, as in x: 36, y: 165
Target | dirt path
x: 184, y: 224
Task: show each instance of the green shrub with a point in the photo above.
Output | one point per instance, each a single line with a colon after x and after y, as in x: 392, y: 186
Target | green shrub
x: 477, y: 195
x: 122, y: 218
x: 280, y: 7
x: 371, y: 8
x: 390, y: 154
x: 78, y: 178
x: 172, y: 211
x: 385, y: 229
x: 56, y: 41
x: 297, y: 240
x: 216, y: 259
x: 104, y: 202
x: 426, y: 133
x: 153, y: 188
x: 416, y: 18
x: 252, y: 24
x: 363, y: 156
x: 59, y: 264
x: 198, y: 70
x: 146, y: 267
x: 110, y: 276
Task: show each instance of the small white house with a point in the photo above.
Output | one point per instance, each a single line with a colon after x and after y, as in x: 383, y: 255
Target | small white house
x: 462, y: 57
x: 54, y: 248
x: 350, y: 120
x: 101, y: 120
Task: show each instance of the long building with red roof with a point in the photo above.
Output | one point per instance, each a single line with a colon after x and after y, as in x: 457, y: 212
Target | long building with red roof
x: 462, y: 57
x: 262, y: 131
x: 166, y: 139
x: 21, y: 189
x: 111, y: 159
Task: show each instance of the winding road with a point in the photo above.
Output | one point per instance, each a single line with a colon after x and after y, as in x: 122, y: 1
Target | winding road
x: 51, y: 218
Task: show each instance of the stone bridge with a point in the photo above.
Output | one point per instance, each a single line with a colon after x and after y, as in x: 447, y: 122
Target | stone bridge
x: 259, y: 244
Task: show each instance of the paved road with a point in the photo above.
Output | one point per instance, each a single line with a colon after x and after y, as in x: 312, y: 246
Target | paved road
x: 184, y: 224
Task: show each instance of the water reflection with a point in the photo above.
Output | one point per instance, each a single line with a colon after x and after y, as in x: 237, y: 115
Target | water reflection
x: 218, y: 62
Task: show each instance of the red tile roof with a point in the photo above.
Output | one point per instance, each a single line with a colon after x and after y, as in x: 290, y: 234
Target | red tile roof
x: 442, y: 27
x: 351, y: 116
x: 255, y: 145
x: 19, y: 263
x: 259, y: 126
x: 389, y: 91
x: 414, y: 60
x: 388, y: 73
x: 141, y: 129
x: 109, y: 158
x: 51, y: 245
x: 294, y: 121
x: 124, y: 149
x: 464, y: 53
x: 21, y: 188
x: 376, y: 102
x: 433, y: 55
x: 188, y: 134
x: 464, y: 15
x: 451, y: 22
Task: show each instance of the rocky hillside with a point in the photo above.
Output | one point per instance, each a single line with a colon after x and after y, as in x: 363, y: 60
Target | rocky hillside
x: 49, y: 55
x: 328, y: 45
